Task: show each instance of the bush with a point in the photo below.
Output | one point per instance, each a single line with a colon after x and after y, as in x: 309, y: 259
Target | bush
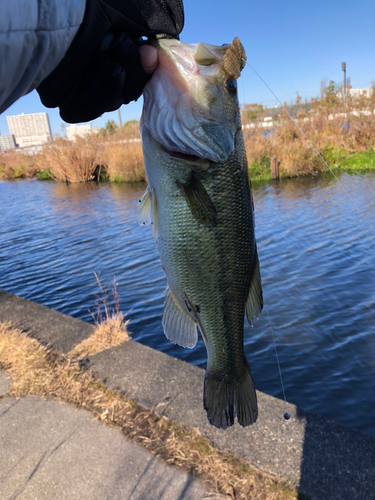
x: 342, y: 131
x: 17, y: 165
x: 72, y: 161
x: 44, y: 175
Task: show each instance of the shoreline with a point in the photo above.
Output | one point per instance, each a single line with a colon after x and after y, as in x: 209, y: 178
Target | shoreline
x: 322, y: 458
x: 356, y: 163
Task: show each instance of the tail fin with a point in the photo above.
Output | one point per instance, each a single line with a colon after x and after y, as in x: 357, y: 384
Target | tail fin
x: 224, y: 400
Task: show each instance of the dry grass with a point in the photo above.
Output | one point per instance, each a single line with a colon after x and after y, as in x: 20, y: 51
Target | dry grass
x: 36, y: 371
x: 123, y: 161
x: 16, y: 165
x: 111, y: 333
x: 72, y: 161
x: 337, y: 129
x: 111, y: 327
x: 117, y: 156
x: 122, y: 154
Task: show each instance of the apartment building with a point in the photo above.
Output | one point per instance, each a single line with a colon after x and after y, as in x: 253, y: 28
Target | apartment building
x: 356, y: 93
x: 30, y: 130
x: 7, y: 142
x: 77, y: 130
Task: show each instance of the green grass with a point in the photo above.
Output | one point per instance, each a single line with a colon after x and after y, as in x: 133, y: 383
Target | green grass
x: 19, y: 173
x: 44, y: 175
x: 337, y: 159
x: 334, y: 157
x: 116, y: 178
x: 260, y: 171
x: 360, y: 162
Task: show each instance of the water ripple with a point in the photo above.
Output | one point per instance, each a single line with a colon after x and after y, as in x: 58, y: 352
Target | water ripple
x: 317, y: 263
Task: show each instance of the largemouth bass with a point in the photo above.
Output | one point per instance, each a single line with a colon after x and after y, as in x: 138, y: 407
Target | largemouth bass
x: 199, y: 205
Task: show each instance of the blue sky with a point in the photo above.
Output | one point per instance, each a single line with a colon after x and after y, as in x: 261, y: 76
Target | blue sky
x: 292, y: 45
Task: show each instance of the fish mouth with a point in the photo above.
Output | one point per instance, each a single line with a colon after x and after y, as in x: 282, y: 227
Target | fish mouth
x: 181, y: 156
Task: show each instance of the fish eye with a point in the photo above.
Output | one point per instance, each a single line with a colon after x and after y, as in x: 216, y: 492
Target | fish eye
x: 231, y: 86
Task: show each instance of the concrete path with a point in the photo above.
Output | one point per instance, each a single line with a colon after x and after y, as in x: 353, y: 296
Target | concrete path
x: 50, y: 450
x: 4, y: 384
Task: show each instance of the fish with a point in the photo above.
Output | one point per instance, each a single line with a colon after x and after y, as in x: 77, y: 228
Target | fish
x: 200, y: 207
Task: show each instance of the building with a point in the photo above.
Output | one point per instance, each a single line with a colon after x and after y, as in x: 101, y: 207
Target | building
x: 30, y: 130
x: 7, y: 142
x: 250, y: 107
x: 356, y: 93
x: 77, y: 130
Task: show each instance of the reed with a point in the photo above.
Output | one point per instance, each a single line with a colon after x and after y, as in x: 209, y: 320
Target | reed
x: 342, y: 131
x: 72, y: 161
x: 338, y: 129
x: 16, y: 165
x: 122, y: 155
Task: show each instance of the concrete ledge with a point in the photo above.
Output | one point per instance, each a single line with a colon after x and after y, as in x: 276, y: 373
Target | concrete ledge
x: 50, y: 328
x: 324, y: 459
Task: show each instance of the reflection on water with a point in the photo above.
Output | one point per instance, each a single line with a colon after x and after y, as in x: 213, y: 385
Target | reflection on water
x: 318, y: 270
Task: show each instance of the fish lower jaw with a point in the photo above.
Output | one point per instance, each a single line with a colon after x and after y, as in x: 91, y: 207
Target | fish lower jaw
x: 183, y: 156
x: 198, y: 161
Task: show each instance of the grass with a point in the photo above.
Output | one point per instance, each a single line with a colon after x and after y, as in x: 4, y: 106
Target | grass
x: 260, y: 171
x: 44, y: 175
x: 122, y: 155
x: 359, y: 162
x: 72, y: 161
x: 111, y: 327
x: 343, y: 132
x: 34, y: 370
x: 16, y: 165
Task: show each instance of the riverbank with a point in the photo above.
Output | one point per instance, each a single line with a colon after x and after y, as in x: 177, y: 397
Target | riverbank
x: 320, y: 458
x: 23, y: 167
x: 342, y: 132
x: 350, y: 163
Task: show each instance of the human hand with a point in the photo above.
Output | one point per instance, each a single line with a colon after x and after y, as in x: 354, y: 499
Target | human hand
x: 107, y: 64
x: 149, y: 58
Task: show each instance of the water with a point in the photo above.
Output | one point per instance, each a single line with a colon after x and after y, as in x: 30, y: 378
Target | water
x: 317, y: 262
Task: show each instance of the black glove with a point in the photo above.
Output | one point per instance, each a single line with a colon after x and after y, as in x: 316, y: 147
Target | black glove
x: 102, y: 68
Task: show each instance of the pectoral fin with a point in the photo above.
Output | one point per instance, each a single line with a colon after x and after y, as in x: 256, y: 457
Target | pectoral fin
x: 254, y: 303
x: 148, y: 211
x: 200, y: 204
x: 144, y: 208
x: 178, y: 325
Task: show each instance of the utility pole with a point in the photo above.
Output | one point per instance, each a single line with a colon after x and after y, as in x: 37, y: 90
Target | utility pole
x: 343, y: 67
x: 119, y: 117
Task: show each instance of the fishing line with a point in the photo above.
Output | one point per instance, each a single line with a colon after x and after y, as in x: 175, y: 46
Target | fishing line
x: 314, y: 148
x: 286, y: 415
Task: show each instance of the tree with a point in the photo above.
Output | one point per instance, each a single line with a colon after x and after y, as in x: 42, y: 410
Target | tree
x: 109, y: 128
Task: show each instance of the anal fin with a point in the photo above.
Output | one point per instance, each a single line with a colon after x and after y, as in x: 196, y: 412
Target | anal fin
x: 254, y: 303
x: 178, y: 326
